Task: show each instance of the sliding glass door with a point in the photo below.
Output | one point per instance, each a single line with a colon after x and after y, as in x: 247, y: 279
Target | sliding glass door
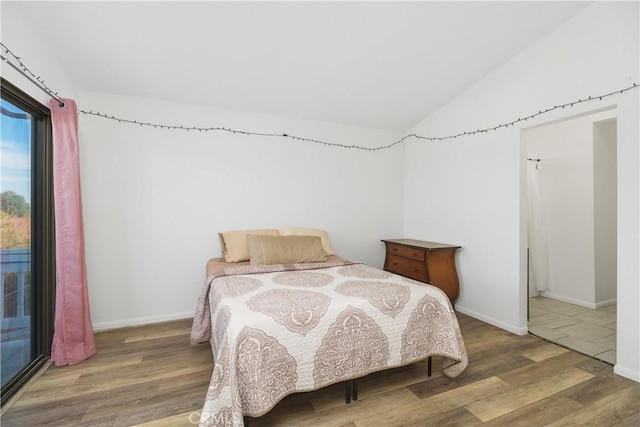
x: 15, y: 252
x: 26, y: 242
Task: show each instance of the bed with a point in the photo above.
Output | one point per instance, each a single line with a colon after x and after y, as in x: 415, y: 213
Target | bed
x: 280, y: 328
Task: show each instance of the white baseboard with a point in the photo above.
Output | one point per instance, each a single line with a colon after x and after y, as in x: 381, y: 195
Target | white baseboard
x: 138, y: 321
x: 573, y: 301
x: 495, y: 322
x: 587, y: 304
x: 606, y: 303
x: 627, y: 373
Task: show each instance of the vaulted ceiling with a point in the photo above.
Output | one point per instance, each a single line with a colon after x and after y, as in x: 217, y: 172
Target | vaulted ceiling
x: 383, y: 65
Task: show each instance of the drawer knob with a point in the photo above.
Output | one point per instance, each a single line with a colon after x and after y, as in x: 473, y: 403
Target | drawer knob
x: 394, y: 263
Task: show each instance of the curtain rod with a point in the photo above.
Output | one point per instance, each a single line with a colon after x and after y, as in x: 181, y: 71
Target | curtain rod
x: 35, y: 82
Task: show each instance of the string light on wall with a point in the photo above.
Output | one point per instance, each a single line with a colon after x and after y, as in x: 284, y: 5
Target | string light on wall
x: 237, y: 131
x: 359, y: 147
x: 22, y: 69
x: 42, y: 86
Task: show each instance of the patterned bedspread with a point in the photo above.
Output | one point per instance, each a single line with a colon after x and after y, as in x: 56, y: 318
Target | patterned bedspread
x: 279, y: 329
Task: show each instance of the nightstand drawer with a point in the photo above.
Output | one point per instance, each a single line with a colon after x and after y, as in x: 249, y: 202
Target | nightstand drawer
x: 404, y: 251
x: 407, y: 267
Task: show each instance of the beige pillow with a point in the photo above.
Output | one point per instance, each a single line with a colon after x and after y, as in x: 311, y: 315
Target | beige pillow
x: 285, y: 249
x: 234, y: 243
x: 305, y: 231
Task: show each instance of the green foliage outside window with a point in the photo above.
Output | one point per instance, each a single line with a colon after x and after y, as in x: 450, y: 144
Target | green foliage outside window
x: 15, y: 221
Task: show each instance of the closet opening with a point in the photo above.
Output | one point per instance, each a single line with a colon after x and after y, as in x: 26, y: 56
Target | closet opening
x: 571, y: 232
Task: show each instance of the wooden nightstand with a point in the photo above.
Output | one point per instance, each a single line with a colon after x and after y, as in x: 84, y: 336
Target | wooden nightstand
x: 428, y: 262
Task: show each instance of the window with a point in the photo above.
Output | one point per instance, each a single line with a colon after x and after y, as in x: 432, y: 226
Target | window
x: 27, y: 239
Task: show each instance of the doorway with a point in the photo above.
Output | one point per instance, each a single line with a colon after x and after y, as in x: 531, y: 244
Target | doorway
x: 571, y: 200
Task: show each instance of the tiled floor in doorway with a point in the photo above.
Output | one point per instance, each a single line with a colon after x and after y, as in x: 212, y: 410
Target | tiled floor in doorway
x: 592, y: 332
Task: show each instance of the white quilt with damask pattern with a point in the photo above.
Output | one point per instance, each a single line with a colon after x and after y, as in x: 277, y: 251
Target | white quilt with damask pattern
x: 276, y: 330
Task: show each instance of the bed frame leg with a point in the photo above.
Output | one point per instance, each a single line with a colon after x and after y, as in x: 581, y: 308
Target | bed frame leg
x: 351, y: 390
x: 245, y: 420
x: 429, y: 366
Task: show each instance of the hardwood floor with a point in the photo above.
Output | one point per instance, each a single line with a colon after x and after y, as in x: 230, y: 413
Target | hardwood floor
x: 151, y: 376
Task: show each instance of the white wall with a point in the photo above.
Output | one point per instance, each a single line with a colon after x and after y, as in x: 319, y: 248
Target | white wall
x: 628, y: 250
x: 30, y: 46
x: 468, y: 191
x: 604, y: 211
x: 155, y: 199
x: 567, y: 185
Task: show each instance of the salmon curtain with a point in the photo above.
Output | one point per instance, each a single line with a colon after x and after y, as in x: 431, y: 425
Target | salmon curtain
x: 73, y: 339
